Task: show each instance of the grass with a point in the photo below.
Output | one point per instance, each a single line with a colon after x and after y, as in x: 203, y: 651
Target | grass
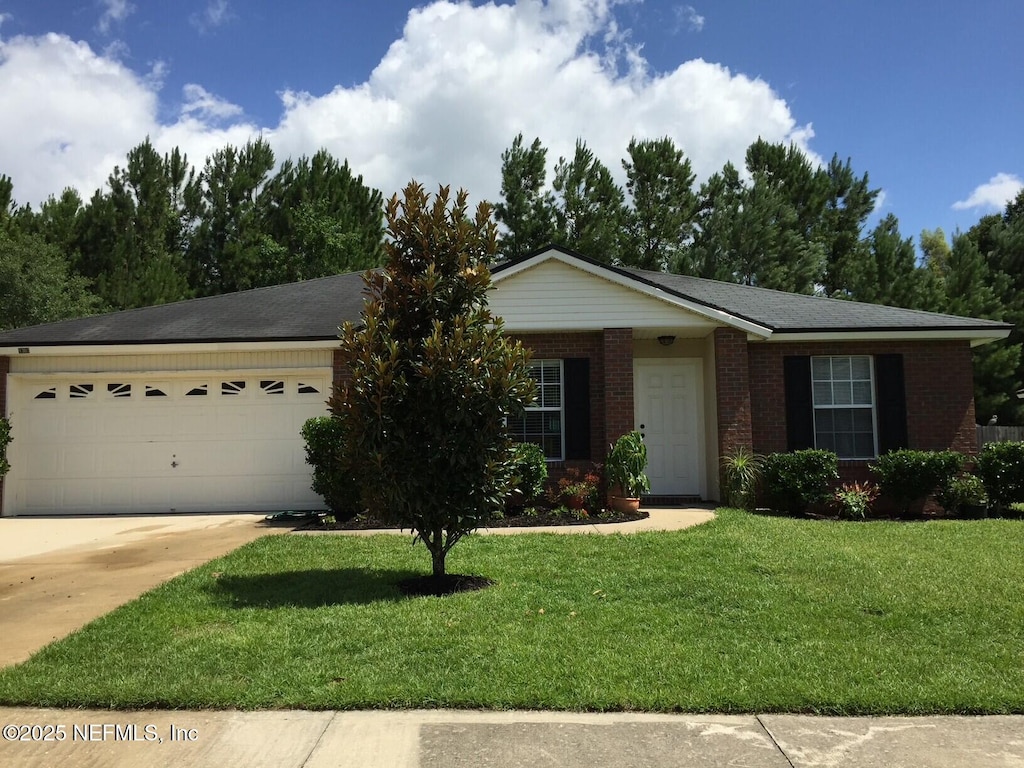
x: 746, y: 613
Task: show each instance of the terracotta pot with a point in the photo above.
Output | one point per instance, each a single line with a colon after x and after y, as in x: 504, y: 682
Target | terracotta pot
x: 625, y: 504
x: 575, y: 502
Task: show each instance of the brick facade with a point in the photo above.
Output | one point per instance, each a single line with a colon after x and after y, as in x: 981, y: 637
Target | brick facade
x: 339, y: 371
x: 733, y: 396
x: 5, y: 368
x: 939, y: 383
x: 557, y: 346
x: 618, y: 376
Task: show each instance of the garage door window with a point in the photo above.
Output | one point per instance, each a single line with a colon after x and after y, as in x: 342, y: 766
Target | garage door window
x: 232, y: 387
x: 120, y: 390
x: 308, y: 389
x: 201, y: 391
x: 272, y: 387
x: 80, y: 391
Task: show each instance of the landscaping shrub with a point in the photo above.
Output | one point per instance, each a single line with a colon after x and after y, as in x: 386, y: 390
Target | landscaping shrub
x: 853, y: 501
x: 1001, y: 468
x: 323, y: 436
x: 792, y: 482
x: 530, y: 473
x: 5, y: 440
x: 962, y: 494
x: 906, y: 476
x: 578, y: 491
x: 741, y: 474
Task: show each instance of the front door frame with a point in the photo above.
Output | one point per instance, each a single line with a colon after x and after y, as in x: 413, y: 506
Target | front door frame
x: 697, y: 365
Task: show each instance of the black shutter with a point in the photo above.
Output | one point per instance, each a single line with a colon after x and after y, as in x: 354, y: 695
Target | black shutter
x: 576, y: 372
x: 892, y: 403
x: 799, y: 403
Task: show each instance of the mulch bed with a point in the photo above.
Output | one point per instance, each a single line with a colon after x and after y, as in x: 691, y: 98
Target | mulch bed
x: 439, y: 586
x: 542, y: 518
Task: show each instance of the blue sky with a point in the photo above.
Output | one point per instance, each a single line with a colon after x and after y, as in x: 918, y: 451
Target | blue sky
x: 927, y: 98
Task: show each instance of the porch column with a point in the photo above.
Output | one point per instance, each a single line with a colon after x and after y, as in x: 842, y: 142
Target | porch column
x: 732, y: 391
x: 618, y: 385
x: 5, y: 368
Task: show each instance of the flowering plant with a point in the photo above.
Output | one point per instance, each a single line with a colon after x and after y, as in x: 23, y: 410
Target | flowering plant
x: 579, y: 490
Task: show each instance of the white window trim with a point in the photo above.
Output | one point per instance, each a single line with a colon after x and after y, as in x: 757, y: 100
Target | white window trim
x: 560, y: 410
x: 849, y: 406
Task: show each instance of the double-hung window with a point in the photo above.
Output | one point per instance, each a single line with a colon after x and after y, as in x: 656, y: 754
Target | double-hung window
x: 844, y: 405
x: 542, y: 423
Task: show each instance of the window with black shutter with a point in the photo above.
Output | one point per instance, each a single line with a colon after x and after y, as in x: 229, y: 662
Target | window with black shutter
x: 559, y: 420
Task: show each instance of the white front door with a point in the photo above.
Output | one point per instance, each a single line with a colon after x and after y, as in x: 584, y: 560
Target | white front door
x: 668, y: 406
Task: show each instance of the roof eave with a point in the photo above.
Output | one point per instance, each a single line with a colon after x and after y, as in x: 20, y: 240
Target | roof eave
x: 63, y: 349
x: 976, y: 336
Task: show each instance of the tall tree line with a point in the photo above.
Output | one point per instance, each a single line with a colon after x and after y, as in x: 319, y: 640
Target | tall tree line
x: 782, y: 222
x: 162, y: 230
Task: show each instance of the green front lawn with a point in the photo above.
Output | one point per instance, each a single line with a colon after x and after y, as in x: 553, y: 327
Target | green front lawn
x: 746, y: 613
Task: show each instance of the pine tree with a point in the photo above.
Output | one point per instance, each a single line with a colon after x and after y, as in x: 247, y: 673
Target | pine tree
x: 526, y: 209
x: 590, y: 207
x: 661, y: 222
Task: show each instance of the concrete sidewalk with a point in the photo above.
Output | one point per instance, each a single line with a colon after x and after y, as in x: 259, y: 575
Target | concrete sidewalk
x: 471, y: 739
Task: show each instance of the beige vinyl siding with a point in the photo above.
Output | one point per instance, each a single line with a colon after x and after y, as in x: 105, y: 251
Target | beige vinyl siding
x: 555, y: 296
x: 190, y: 361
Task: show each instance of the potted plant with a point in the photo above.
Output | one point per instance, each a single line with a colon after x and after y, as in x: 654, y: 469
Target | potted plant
x: 627, y: 460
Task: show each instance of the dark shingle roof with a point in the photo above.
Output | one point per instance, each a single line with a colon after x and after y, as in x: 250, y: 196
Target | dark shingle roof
x: 790, y: 312
x: 312, y: 310
x: 309, y: 310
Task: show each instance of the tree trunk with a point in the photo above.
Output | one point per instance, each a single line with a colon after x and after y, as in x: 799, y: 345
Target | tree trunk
x: 437, y: 560
x: 435, y: 543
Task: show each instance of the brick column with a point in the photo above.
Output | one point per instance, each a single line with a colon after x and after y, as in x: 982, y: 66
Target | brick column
x: 618, y: 384
x: 733, y: 390
x: 340, y: 372
x: 5, y: 368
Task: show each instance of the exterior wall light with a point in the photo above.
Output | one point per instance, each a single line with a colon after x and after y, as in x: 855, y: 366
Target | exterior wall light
x: 666, y: 341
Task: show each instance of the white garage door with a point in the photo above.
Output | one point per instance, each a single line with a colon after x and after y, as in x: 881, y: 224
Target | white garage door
x: 131, y: 444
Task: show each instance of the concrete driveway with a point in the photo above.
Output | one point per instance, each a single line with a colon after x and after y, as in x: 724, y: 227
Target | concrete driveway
x: 58, y: 574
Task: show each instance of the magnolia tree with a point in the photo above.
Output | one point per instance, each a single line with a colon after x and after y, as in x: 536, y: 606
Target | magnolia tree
x: 432, y: 376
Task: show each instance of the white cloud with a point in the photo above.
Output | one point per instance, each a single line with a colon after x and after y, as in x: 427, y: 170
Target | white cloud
x: 993, y: 194
x: 216, y: 13
x: 200, y: 103
x: 75, y: 115
x: 452, y: 93
x: 114, y: 12
x: 687, y: 16
x: 442, y: 104
x: 117, y: 50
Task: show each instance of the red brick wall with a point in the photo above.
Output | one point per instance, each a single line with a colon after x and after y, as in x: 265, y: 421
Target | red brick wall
x: 618, y: 376
x: 732, y: 374
x: 557, y: 346
x: 340, y: 371
x: 5, y: 368
x: 939, y: 381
